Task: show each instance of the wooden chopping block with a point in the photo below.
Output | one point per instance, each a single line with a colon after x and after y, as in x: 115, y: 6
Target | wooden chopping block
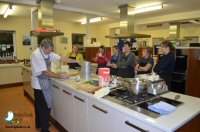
x: 87, y: 87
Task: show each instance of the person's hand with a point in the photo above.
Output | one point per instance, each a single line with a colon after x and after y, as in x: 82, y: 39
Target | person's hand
x: 114, y: 66
x: 78, y: 61
x: 94, y: 59
x: 137, y: 67
x: 109, y: 64
x: 64, y: 76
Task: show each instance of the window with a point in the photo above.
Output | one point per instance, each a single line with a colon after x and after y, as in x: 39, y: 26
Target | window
x: 78, y: 38
x: 6, y: 44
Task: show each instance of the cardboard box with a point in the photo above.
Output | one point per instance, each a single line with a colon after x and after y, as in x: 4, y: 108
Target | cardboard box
x: 104, y: 76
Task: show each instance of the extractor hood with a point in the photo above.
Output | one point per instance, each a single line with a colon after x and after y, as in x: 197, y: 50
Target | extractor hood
x: 126, y: 26
x: 45, y: 20
x: 174, y: 33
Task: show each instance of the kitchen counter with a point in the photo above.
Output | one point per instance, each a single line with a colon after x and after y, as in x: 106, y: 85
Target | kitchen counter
x: 171, y: 122
x: 10, y: 75
x: 182, y: 47
x: 10, y: 65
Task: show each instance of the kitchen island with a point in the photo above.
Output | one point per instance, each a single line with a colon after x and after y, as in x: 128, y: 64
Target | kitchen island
x: 81, y: 111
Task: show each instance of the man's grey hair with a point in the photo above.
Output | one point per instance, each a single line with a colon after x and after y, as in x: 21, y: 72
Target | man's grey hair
x: 47, y: 43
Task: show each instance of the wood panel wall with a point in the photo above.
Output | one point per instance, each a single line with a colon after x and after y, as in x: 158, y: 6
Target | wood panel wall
x: 193, y: 77
x: 90, y: 52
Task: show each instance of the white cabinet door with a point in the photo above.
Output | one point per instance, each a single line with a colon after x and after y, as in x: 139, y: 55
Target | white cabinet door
x: 67, y: 109
x: 57, y: 102
x: 126, y: 123
x: 80, y: 109
x: 101, y: 118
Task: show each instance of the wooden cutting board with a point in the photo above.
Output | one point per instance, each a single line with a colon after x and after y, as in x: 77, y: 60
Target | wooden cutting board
x: 87, y: 87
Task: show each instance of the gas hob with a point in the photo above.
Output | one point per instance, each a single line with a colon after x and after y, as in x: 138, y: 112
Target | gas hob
x: 139, y: 102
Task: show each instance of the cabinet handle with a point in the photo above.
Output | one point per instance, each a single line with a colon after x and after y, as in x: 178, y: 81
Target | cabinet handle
x: 67, y: 92
x: 55, y: 86
x: 82, y: 100
x: 100, y: 109
x: 136, y: 127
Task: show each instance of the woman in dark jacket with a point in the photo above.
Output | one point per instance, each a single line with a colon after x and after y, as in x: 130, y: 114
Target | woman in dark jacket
x: 126, y: 62
x: 165, y: 66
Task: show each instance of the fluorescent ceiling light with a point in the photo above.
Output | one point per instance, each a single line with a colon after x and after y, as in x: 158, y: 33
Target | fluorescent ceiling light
x: 92, y: 20
x: 3, y: 9
x: 8, y: 11
x: 146, y: 9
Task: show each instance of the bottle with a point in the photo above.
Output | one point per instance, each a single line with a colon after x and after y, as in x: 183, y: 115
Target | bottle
x: 3, y: 57
x: 15, y: 57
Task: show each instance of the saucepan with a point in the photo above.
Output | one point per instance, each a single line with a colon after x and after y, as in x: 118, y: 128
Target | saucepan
x: 135, y: 85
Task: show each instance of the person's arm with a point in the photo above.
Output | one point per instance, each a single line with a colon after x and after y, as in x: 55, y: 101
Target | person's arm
x: 68, y: 60
x: 79, y: 57
x: 55, y: 75
x: 118, y: 61
x: 95, y: 59
x: 148, y: 66
x: 107, y: 57
x: 160, y: 66
x: 64, y: 59
x: 130, y: 61
x: 145, y: 68
x: 108, y: 63
x: 137, y: 67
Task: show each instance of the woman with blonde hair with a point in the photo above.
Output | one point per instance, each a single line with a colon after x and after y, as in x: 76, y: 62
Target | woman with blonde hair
x: 75, y: 55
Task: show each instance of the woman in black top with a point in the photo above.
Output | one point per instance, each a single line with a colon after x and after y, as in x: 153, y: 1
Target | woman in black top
x: 126, y: 62
x: 166, y: 64
x: 145, y: 64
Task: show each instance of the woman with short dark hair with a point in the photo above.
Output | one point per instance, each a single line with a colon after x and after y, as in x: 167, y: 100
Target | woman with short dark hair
x: 165, y: 66
x: 126, y: 62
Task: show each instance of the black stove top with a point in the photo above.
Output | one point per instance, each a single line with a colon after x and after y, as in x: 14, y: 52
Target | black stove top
x: 140, y: 102
x: 127, y: 97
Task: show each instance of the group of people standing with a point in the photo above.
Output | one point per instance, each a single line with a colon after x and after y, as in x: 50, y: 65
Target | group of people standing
x: 125, y: 65
x: 121, y: 64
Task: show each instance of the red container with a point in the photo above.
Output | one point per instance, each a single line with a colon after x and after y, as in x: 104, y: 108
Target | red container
x: 105, y: 74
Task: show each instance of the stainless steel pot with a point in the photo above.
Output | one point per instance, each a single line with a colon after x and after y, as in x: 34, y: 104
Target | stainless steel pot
x: 135, y: 85
x: 85, y: 70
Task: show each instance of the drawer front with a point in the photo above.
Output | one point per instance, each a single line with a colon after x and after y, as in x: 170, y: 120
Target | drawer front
x: 126, y: 123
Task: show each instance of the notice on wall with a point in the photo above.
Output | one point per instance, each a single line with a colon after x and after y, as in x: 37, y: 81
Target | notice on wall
x: 3, y: 48
x: 8, y: 46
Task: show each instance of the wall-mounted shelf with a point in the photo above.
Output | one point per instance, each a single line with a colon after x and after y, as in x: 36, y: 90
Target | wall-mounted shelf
x: 33, y: 33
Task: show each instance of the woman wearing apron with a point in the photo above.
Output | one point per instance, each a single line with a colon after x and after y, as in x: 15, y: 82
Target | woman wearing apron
x: 165, y: 66
x: 102, y: 57
x: 126, y: 62
x: 145, y: 64
x: 75, y: 55
x: 113, y: 60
